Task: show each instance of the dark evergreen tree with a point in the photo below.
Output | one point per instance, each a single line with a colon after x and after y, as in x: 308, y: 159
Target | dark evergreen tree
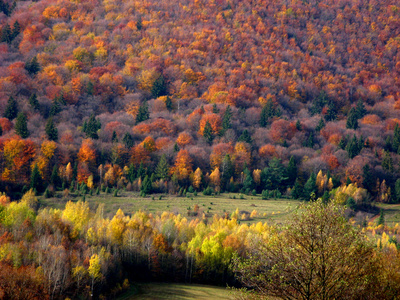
x: 319, y: 102
x: 141, y: 171
x: 162, y: 170
x: 207, y: 133
x: 321, y: 124
x: 55, y: 178
x: 131, y: 173
x: 310, y: 187
x: 397, y: 190
x: 33, y: 101
x: 176, y: 147
x: 11, y: 111
x: 297, y: 190
x: 291, y: 171
x: 146, y: 187
x: 227, y: 170
x: 331, y: 114
x: 248, y: 182
x: 352, y: 119
x: 387, y: 162
x: 114, y: 137
x: 36, y: 179
x: 143, y: 113
x: 226, y: 120
x: 381, y: 220
x: 396, y: 139
x: 274, y: 176
x: 128, y: 140
x: 267, y: 112
x: 90, y: 88
x: 159, y: 87
x: 32, y: 66
x: 5, y: 8
x: 21, y: 126
x: 298, y: 125
x: 360, y: 109
x: 1, y: 130
x: 16, y: 30
x: 55, y: 108
x: 75, y: 172
x: 310, y: 140
x: 343, y: 143
x: 6, y: 34
x: 51, y: 130
x: 215, y: 109
x: 368, y: 178
x: 245, y: 137
x: 168, y: 103
x: 352, y: 147
x: 91, y: 127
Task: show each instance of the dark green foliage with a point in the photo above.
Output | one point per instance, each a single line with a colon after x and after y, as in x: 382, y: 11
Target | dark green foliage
x: 208, y: 191
x: 298, y: 125
x: 227, y: 170
x: 55, y: 108
x: 352, y: 119
x: 351, y: 203
x: 321, y: 124
x: 226, y: 120
x: 207, y: 133
x: 21, y: 126
x: 318, y: 103
x: 75, y: 171
x: 115, y: 193
x: 397, y: 190
x: 6, y: 34
x: 168, y: 103
x: 381, y: 220
x: 395, y: 145
x: 265, y: 195
x: 245, y: 137
x: 1, y: 130
x: 360, y: 109
x: 32, y: 66
x: 141, y: 171
x: 215, y: 109
x: 368, y: 178
x: 309, y: 142
x: 248, y: 182
x: 310, y: 187
x: 51, y: 130
x: 146, y: 187
x: 297, y: 190
x: 343, y: 142
x: 33, y: 101
x: 143, y: 113
x: 162, y: 170
x: 90, y: 88
x: 131, y: 173
x: 55, y: 178
x: 176, y: 147
x: 128, y: 140
x: 353, y: 147
x: 5, y: 7
x: 291, y: 171
x: 273, y: 176
x: 11, y: 111
x: 47, y: 193
x: 331, y: 114
x: 387, y: 162
x: 16, y: 30
x: 267, y: 112
x: 325, y: 197
x: 91, y: 127
x: 36, y: 179
x: 114, y: 137
x: 159, y: 87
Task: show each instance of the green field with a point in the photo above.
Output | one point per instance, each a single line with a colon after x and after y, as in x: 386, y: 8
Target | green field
x: 267, y: 210
x: 176, y: 291
x: 391, y: 213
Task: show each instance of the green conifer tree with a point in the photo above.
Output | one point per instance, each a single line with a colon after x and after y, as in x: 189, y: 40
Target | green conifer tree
x: 162, y: 170
x: 21, y: 126
x: 11, y: 111
x: 143, y: 113
x: 352, y: 119
x: 207, y: 133
x: 51, y: 130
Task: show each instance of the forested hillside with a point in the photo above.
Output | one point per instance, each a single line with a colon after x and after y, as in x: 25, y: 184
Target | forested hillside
x: 200, y: 93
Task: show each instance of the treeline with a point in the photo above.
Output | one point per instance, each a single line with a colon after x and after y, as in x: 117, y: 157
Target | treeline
x: 110, y: 86
x: 76, y: 252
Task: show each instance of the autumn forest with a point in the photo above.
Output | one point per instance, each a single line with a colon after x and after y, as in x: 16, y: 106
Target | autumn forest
x: 284, y: 99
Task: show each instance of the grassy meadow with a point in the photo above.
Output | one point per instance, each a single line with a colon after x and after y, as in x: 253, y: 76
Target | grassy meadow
x: 176, y: 291
x: 272, y: 210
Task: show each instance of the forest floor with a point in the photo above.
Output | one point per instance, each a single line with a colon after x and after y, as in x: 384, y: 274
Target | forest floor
x: 272, y: 210
x: 147, y: 291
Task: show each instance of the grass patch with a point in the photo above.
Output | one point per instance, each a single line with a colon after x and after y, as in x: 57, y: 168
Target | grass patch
x: 175, y: 291
x: 391, y: 213
x: 274, y: 211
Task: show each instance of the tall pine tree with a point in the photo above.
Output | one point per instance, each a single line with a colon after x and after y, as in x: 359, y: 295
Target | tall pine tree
x: 21, y: 126
x: 11, y: 111
x: 51, y: 130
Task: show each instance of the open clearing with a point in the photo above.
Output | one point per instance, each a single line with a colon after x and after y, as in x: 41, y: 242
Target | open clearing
x: 267, y: 210
x: 176, y: 291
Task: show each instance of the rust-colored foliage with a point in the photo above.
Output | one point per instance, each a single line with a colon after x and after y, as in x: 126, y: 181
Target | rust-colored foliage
x: 214, y: 120
x: 87, y: 152
x: 183, y: 164
x: 184, y: 139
